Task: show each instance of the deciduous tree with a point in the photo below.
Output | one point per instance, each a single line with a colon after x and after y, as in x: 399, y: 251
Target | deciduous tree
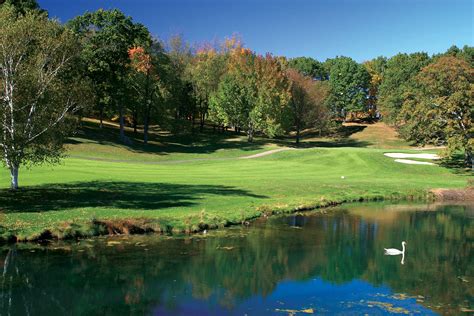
x: 375, y: 68
x: 441, y: 106
x: 39, y: 88
x: 22, y: 6
x: 349, y: 83
x: 205, y: 72
x: 106, y: 36
x: 253, y: 93
x: 307, y: 104
x: 309, y: 67
x: 398, y: 78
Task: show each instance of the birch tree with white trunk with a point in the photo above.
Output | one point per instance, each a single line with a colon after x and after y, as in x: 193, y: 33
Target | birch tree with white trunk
x: 38, y: 89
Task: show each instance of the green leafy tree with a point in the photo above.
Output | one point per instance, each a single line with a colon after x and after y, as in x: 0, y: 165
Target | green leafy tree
x: 349, y: 82
x: 229, y: 106
x: 441, y: 106
x: 151, y: 79
x: 309, y: 67
x: 375, y: 68
x: 39, y: 91
x: 466, y: 53
x: 22, y: 6
x: 106, y: 37
x: 181, y: 95
x: 205, y: 72
x: 398, y: 78
x: 253, y: 94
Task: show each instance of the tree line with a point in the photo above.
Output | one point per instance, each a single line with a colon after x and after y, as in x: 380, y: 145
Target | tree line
x: 105, y: 65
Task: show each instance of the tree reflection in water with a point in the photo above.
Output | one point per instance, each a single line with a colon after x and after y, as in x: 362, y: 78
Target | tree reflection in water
x: 237, y: 267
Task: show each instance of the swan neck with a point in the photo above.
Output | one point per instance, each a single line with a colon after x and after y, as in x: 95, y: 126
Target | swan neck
x: 403, y: 248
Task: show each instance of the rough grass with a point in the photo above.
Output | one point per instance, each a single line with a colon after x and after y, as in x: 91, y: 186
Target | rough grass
x: 378, y: 135
x: 83, y: 197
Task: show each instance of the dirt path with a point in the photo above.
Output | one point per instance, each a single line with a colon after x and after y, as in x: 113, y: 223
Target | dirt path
x: 172, y: 162
x: 266, y: 153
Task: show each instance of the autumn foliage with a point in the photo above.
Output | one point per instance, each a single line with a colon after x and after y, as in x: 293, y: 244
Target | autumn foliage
x: 140, y: 60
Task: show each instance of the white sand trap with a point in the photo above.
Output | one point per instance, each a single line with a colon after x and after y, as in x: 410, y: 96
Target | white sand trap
x: 413, y: 162
x: 419, y: 156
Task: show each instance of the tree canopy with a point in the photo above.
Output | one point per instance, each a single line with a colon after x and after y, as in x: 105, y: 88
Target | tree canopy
x: 106, y: 37
x: 349, y: 83
x: 41, y: 87
x: 309, y: 67
x: 440, y: 108
x: 399, y: 75
x: 252, y: 94
x: 307, y: 106
x: 23, y: 6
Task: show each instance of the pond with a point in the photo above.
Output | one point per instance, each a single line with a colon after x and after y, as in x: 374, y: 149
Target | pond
x: 326, y: 262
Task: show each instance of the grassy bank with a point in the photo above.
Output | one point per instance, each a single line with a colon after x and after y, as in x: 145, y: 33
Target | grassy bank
x: 201, y: 189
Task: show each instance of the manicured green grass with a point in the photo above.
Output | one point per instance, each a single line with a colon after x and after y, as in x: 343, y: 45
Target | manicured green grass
x: 188, y: 195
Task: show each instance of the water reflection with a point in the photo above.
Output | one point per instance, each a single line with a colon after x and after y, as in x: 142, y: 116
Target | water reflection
x: 325, y: 263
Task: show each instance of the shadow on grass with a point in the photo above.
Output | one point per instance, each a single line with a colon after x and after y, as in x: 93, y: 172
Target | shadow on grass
x: 339, y: 138
x: 332, y: 143
x: 120, y: 195
x: 457, y: 165
x: 207, y: 142
x: 348, y: 130
x: 164, y: 143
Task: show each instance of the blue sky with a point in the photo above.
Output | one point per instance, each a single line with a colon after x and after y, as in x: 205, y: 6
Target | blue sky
x: 361, y: 29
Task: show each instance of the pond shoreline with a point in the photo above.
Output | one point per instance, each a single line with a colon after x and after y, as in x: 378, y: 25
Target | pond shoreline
x: 453, y: 194
x: 137, y: 226
x: 279, y: 256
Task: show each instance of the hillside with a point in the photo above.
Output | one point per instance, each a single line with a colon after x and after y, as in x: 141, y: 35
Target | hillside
x: 183, y: 183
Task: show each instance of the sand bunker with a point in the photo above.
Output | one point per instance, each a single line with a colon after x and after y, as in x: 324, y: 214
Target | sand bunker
x: 413, y: 162
x: 400, y: 158
x: 419, y: 156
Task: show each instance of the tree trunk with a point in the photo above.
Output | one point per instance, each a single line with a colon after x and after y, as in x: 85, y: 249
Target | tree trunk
x: 201, y: 126
x: 145, y: 132
x: 122, y: 123
x: 14, y: 177
x: 469, y: 158
x: 135, y: 121
x: 148, y: 101
x: 146, y: 125
x: 250, y: 135
x: 101, y: 116
x: 297, y: 136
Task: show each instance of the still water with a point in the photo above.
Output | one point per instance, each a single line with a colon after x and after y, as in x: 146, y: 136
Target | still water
x: 311, y: 263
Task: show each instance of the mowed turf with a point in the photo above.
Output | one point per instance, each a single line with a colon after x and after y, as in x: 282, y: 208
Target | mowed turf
x: 181, y: 195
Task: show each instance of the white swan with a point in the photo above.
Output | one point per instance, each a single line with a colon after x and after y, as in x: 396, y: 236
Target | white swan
x: 395, y: 252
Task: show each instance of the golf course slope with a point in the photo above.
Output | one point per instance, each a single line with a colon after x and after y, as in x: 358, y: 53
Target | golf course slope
x: 191, y: 183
